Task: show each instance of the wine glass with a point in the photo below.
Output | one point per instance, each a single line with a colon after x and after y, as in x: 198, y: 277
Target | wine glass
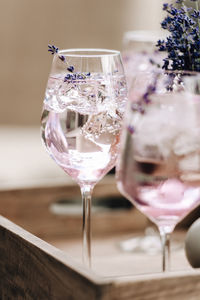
x: 139, y: 54
x: 159, y: 163
x: 81, y: 119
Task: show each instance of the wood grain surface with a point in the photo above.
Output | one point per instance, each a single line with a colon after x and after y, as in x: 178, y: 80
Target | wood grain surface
x: 33, y: 269
x: 30, y: 207
x: 175, y: 286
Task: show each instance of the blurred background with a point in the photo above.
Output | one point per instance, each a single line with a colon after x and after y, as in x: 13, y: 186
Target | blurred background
x: 26, y: 28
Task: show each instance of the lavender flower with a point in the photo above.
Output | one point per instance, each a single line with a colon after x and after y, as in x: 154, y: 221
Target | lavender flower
x: 70, y: 69
x: 183, y: 43
x: 61, y: 57
x: 69, y: 77
x: 75, y: 76
x: 130, y: 129
x: 145, y: 98
x: 52, y: 49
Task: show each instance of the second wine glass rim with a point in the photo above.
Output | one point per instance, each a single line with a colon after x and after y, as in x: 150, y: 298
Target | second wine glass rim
x: 85, y: 52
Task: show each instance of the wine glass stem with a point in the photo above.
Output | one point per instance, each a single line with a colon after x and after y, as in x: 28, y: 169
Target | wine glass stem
x: 165, y: 239
x: 86, y: 192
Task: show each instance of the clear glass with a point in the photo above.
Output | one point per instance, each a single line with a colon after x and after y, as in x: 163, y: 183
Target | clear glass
x: 81, y: 120
x: 159, y: 164
x: 141, y: 41
x: 139, y: 54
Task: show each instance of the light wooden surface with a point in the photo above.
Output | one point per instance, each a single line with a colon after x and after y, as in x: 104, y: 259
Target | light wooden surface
x: 33, y: 269
x: 176, y: 286
x: 109, y: 259
x: 30, y: 207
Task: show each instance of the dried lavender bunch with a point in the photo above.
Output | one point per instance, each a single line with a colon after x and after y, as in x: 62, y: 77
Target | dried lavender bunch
x: 183, y: 43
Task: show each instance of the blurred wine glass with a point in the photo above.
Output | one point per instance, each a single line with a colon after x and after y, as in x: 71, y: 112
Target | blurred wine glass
x: 159, y: 164
x: 139, y: 54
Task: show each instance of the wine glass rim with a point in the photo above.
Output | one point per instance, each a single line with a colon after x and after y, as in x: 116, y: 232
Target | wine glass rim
x: 142, y: 35
x: 85, y: 52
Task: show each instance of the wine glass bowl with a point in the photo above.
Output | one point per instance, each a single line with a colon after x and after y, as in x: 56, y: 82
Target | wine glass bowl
x: 82, y: 115
x: 159, y: 165
x: 139, y: 52
x: 140, y: 41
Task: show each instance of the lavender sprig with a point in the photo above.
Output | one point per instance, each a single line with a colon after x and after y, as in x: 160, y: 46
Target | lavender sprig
x: 62, y: 57
x: 69, y: 77
x: 70, y: 69
x: 76, y: 76
x: 183, y: 43
x: 145, y: 98
x: 53, y: 49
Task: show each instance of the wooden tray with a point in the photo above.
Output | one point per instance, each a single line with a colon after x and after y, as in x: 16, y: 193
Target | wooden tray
x: 49, y: 266
x: 34, y: 269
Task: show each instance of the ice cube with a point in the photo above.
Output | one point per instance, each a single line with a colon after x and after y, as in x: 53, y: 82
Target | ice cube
x: 168, y: 124
x: 154, y: 134
x: 187, y: 142
x: 86, y: 90
x: 51, y: 102
x: 190, y: 163
x: 67, y: 96
x: 101, y: 128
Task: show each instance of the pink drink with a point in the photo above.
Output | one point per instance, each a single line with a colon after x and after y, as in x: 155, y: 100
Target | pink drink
x: 81, y: 123
x: 164, y: 200
x: 159, y: 166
